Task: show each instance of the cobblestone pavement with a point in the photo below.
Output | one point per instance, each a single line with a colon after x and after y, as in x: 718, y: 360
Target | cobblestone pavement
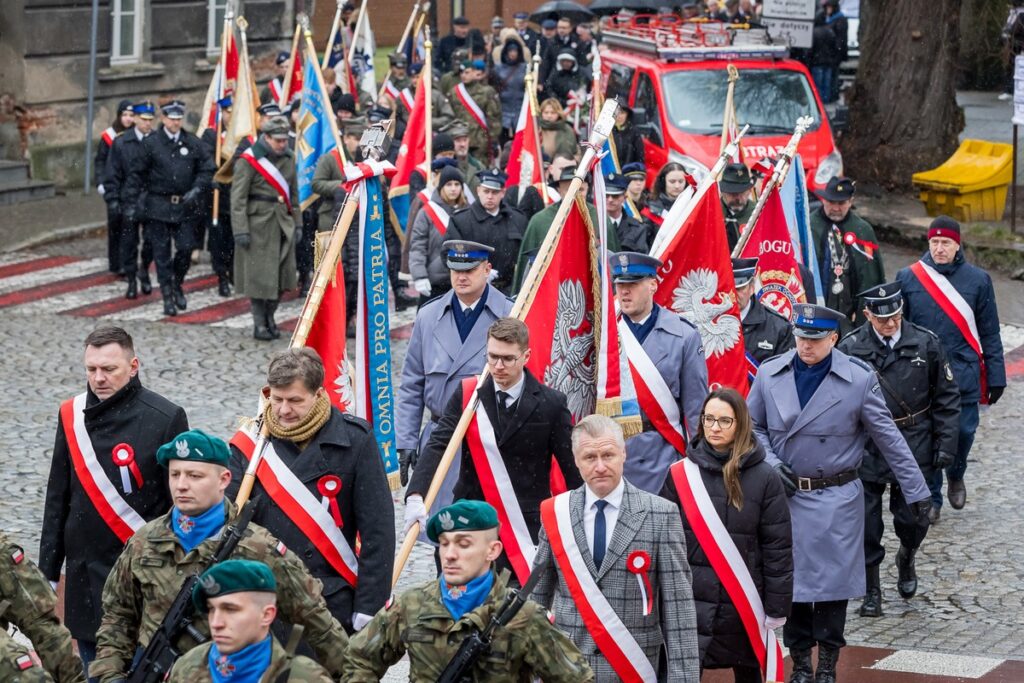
x: 971, y: 599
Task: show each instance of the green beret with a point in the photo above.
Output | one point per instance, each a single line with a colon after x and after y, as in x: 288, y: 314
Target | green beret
x: 462, y: 515
x: 194, y: 445
x: 232, y: 576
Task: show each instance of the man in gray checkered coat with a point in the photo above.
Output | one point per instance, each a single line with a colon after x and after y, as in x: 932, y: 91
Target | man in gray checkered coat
x: 616, y: 575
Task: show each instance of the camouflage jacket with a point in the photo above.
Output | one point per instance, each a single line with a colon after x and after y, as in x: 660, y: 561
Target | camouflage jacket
x: 29, y: 604
x: 418, y: 623
x: 148, y: 575
x: 194, y: 668
x: 17, y: 665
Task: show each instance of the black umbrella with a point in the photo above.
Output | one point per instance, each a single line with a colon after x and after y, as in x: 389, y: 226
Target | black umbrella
x: 562, y: 9
x: 613, y: 6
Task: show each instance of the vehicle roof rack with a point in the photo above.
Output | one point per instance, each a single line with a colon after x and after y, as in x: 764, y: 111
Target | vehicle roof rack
x: 673, y: 39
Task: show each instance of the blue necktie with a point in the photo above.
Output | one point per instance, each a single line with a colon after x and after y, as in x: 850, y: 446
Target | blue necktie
x: 599, y: 533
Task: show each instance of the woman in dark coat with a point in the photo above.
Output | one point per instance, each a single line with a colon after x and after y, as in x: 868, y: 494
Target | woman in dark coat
x: 670, y: 183
x: 750, y: 500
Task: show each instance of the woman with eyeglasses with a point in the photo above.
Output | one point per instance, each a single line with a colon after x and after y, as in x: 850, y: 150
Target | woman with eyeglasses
x: 748, y: 497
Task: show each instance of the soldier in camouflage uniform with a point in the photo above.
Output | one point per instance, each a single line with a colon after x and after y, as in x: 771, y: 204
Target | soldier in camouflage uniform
x: 28, y: 602
x: 473, y: 92
x: 157, y: 559
x: 430, y: 621
x: 239, y: 597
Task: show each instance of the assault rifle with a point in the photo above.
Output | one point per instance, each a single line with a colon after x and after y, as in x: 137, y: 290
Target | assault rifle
x: 161, y: 653
x: 460, y: 668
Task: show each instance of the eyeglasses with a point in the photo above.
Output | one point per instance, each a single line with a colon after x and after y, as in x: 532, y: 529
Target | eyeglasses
x: 723, y: 422
x: 495, y: 359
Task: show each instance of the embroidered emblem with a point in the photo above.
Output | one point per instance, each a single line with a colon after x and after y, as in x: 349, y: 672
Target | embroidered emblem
x: 446, y: 521
x: 210, y: 585
x: 225, y: 667
x: 181, y: 449
x: 186, y: 523
x: 766, y: 345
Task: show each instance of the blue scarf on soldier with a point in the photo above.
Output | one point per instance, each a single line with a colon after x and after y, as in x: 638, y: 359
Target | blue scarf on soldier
x: 245, y: 666
x: 193, y: 530
x: 461, y: 599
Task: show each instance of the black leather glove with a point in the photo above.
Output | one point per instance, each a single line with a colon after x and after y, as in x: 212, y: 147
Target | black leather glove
x: 407, y: 458
x: 191, y: 196
x: 994, y: 394
x: 942, y: 460
x: 921, y: 509
x: 243, y: 240
x: 788, y: 477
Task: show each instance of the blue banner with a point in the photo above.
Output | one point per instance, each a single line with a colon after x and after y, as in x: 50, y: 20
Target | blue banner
x: 796, y: 206
x: 315, y: 136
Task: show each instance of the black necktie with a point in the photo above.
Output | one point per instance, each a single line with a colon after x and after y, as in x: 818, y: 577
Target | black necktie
x: 503, y: 397
x: 600, y: 533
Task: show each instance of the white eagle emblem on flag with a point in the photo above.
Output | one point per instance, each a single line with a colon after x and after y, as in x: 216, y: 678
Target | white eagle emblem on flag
x: 697, y: 298
x: 572, y: 365
x: 343, y: 386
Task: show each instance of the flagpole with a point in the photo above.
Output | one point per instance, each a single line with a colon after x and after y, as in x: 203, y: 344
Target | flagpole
x: 778, y: 175
x: 330, y: 38
x: 428, y: 82
x: 355, y: 34
x: 728, y: 114
x: 401, y: 43
x: 602, y: 128
x: 291, y: 66
x: 220, y: 96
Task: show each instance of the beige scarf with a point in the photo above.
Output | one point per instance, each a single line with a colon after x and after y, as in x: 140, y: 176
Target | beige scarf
x: 302, y: 433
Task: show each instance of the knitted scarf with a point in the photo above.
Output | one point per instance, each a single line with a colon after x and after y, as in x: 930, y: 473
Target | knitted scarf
x: 302, y: 433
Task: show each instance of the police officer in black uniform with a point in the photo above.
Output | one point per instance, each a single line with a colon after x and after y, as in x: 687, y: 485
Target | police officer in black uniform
x: 164, y: 191
x: 488, y: 221
x: 765, y: 332
x: 123, y: 153
x: 923, y: 397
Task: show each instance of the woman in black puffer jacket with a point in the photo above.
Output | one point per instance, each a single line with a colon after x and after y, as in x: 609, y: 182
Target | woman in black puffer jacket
x: 751, y: 502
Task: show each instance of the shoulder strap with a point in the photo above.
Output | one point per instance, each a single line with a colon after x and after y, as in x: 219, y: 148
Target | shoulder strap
x: 891, y: 390
x: 289, y: 650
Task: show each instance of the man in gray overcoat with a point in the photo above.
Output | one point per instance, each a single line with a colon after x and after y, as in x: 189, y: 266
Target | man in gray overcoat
x: 813, y: 410
x: 674, y: 346
x: 264, y: 216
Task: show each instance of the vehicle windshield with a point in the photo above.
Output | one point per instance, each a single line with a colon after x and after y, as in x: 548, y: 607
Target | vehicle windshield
x: 770, y: 100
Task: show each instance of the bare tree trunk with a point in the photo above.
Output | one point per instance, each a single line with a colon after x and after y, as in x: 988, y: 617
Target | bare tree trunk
x: 903, y: 111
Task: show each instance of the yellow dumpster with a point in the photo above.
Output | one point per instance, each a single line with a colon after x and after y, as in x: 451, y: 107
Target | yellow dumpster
x: 971, y: 185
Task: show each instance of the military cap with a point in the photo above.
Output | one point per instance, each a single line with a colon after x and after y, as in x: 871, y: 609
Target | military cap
x: 175, y: 109
x: 549, y: 24
x: 124, y: 106
x: 492, y: 179
x: 462, y: 515
x: 450, y: 173
x: 632, y: 266
x: 269, y: 109
x: 837, y: 190
x: 276, y: 127
x: 815, y: 322
x: 521, y: 15
x: 615, y: 184
x: 885, y: 300
x: 944, y: 226
x: 195, y: 446
x: 460, y: 21
x: 282, y: 57
x: 458, y: 129
x: 224, y: 102
x: 144, y: 110
x: 568, y: 173
x: 398, y: 59
x: 735, y: 179
x: 743, y: 270
x: 354, y: 126
x: 441, y: 163
x: 635, y: 171
x: 232, y: 576
x: 465, y: 255
x: 441, y: 143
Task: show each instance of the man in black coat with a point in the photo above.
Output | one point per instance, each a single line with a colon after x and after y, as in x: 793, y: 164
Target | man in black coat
x: 533, y: 425
x: 220, y: 243
x: 765, y: 332
x: 323, y: 484
x: 922, y: 395
x: 632, y: 233
x: 489, y: 221
x: 123, y: 153
x: 104, y: 481
x: 164, y: 190
x: 462, y: 36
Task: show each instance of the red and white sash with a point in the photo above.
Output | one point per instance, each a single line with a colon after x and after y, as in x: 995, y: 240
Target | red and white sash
x: 610, y: 635
x: 108, y: 136
x: 497, y: 487
x: 121, y: 517
x: 271, y: 174
x: 729, y: 566
x: 304, y: 509
x: 652, y: 393
x: 462, y: 93
x: 959, y: 311
x: 438, y: 216
x: 275, y: 86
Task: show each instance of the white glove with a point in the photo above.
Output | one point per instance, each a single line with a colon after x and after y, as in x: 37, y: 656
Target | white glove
x: 774, y: 622
x: 415, y: 511
x: 102, y: 190
x: 422, y: 285
x: 359, y: 620
x: 53, y: 585
x: 493, y: 276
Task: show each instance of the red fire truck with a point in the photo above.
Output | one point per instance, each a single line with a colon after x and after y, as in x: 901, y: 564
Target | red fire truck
x: 674, y: 76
